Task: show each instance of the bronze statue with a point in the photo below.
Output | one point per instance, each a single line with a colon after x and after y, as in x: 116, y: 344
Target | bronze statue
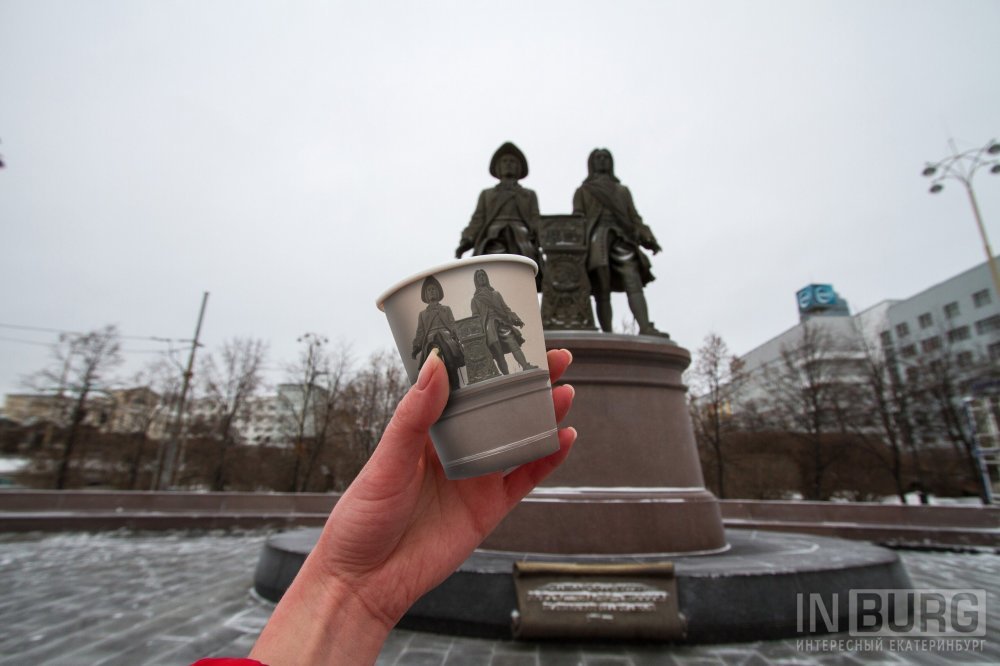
x: 615, y: 231
x: 500, y: 324
x: 436, y: 328
x: 506, y: 216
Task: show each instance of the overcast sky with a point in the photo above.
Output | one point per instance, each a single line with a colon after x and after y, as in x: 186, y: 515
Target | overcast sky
x: 297, y: 158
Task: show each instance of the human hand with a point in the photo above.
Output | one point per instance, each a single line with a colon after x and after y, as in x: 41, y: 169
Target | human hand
x: 399, y: 530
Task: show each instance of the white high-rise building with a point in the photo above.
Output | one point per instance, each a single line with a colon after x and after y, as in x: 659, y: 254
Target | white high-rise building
x: 960, y: 315
x: 951, y: 328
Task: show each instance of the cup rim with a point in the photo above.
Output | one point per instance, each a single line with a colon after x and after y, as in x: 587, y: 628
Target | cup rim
x: 455, y: 263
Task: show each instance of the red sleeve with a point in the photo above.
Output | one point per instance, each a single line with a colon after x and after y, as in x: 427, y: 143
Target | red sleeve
x: 227, y: 661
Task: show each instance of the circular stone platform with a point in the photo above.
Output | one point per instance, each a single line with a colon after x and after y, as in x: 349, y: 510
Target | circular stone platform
x: 748, y: 592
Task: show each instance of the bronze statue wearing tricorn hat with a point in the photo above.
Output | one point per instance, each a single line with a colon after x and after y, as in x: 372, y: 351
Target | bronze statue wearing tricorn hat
x: 508, y: 149
x: 506, y: 216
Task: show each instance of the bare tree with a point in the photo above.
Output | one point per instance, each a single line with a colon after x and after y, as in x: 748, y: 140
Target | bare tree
x: 230, y: 383
x: 310, y: 402
x: 138, y: 409
x: 296, y: 403
x: 627, y: 326
x: 330, y: 409
x: 81, y: 366
x: 888, y: 403
x: 374, y: 394
x: 811, y: 396
x: 714, y: 378
x: 940, y: 378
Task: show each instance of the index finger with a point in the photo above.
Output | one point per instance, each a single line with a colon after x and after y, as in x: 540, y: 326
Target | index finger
x: 559, y: 360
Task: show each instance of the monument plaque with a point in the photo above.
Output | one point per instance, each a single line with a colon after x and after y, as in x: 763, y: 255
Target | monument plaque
x: 606, y: 601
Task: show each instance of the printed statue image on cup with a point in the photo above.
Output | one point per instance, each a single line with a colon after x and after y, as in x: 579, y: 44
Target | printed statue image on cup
x: 500, y: 323
x: 492, y: 323
x: 482, y: 316
x: 436, y: 328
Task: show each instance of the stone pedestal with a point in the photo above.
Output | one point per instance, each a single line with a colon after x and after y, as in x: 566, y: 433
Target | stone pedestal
x: 633, y: 483
x: 751, y: 592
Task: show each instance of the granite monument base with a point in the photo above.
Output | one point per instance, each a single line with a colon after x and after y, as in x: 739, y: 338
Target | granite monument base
x: 633, y: 483
x: 749, y: 592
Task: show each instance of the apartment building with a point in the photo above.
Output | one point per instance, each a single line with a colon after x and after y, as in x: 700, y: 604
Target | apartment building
x: 945, y: 338
x: 958, y: 318
x: 269, y: 419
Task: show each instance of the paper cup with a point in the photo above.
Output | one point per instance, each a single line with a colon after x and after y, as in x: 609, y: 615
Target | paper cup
x: 482, y: 315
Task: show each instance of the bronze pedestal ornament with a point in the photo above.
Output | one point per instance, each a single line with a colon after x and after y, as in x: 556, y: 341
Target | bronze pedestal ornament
x: 566, y: 285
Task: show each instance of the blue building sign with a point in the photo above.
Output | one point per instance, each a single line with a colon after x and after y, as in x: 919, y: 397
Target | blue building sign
x: 817, y: 297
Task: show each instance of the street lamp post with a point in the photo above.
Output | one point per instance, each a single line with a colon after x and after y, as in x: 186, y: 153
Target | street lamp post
x: 962, y: 167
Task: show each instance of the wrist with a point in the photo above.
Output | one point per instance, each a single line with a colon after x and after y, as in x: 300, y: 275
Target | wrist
x: 321, y: 621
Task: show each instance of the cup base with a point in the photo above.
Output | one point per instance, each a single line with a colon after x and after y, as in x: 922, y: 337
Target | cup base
x: 505, y: 458
x: 495, y: 425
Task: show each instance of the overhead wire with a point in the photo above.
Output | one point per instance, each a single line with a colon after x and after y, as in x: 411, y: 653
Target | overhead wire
x: 44, y: 329
x: 36, y: 343
x: 26, y: 342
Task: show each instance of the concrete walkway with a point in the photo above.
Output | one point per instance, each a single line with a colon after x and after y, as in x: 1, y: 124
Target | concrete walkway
x: 173, y: 597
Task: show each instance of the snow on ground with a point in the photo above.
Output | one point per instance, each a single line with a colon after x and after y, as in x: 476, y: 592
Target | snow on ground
x: 10, y: 464
x: 173, y: 597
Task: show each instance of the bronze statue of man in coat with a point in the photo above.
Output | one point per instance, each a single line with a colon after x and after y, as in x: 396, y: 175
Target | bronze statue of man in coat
x: 506, y: 216
x: 616, y: 233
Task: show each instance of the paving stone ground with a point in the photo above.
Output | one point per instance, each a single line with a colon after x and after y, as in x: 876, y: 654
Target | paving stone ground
x: 171, y: 598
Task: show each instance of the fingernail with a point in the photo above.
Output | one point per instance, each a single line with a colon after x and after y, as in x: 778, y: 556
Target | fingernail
x: 424, y: 378
x: 572, y: 390
x: 570, y: 354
